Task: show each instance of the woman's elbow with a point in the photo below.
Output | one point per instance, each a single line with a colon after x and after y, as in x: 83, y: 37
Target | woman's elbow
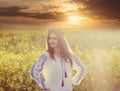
x: 84, y: 69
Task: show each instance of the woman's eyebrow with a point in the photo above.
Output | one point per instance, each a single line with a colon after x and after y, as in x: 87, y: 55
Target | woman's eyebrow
x: 49, y: 37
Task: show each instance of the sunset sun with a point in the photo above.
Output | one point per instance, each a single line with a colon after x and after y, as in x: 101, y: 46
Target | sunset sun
x: 73, y: 18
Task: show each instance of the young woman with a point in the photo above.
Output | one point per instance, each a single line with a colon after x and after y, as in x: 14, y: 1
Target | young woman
x: 55, y: 65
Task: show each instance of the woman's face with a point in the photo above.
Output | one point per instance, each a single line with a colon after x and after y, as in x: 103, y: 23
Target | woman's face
x: 52, y: 40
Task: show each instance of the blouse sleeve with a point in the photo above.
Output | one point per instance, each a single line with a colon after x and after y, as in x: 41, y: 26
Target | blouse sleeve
x: 80, y: 68
x: 35, y: 70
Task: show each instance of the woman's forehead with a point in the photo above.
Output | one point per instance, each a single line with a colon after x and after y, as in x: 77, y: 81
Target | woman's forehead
x: 52, y: 35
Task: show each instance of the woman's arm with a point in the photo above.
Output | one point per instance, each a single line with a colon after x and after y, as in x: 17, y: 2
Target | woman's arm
x: 35, y: 70
x: 81, y: 69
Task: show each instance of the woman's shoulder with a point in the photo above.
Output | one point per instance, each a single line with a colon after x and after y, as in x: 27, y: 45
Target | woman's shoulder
x: 44, y: 55
x: 45, y: 52
x: 72, y: 54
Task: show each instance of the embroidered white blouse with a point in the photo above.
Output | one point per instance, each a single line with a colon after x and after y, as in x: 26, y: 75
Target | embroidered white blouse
x: 57, y: 73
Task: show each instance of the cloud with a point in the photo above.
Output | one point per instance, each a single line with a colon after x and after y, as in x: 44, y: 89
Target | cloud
x: 11, y: 11
x: 16, y: 11
x: 59, y: 9
x: 41, y: 6
x: 105, y: 9
x: 10, y: 3
x: 35, y: 6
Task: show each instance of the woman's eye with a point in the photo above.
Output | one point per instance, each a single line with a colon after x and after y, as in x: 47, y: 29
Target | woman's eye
x: 49, y: 37
x: 54, y: 38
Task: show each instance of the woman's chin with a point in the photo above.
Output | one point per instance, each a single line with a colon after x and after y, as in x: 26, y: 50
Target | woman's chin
x: 52, y: 46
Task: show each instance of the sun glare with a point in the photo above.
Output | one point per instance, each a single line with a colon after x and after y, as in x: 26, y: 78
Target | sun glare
x: 73, y: 19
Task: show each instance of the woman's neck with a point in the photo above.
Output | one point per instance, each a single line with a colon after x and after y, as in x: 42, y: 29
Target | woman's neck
x: 57, y: 51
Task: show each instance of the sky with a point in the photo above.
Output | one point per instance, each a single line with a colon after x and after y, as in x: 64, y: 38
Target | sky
x: 65, y: 12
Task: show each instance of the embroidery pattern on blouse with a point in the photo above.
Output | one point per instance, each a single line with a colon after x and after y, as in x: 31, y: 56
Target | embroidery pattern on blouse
x: 80, y: 74
x: 36, y: 69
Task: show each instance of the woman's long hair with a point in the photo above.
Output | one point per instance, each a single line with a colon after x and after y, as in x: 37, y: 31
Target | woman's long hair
x: 64, y: 48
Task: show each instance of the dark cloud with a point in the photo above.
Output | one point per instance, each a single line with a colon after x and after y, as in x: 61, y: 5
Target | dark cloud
x: 11, y: 11
x: 16, y: 11
x: 57, y: 16
x: 98, y: 9
x: 106, y: 9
